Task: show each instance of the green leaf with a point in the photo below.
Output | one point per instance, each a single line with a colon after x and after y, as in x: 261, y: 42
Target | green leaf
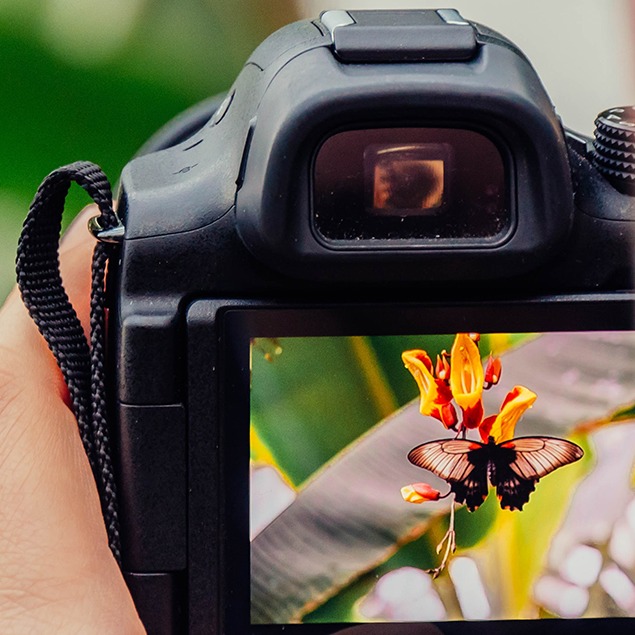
x: 313, y: 381
x: 471, y: 528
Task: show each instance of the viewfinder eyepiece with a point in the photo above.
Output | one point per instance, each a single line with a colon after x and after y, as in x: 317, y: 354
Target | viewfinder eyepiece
x: 411, y: 184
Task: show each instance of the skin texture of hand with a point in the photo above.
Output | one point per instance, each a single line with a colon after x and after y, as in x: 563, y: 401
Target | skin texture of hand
x: 57, y: 574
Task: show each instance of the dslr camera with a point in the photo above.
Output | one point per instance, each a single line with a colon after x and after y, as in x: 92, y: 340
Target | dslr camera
x: 373, y: 181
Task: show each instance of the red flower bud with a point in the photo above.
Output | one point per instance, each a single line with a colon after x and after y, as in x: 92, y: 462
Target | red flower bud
x: 419, y: 493
x: 448, y: 414
x: 473, y: 416
x: 493, y: 371
x: 443, y: 366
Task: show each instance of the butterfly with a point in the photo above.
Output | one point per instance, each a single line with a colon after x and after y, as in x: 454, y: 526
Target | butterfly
x: 513, y: 467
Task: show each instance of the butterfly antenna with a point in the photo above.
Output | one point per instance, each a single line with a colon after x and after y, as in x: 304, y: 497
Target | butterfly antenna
x: 448, y: 542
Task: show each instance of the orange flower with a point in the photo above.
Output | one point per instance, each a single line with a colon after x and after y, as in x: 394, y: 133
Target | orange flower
x: 434, y: 392
x: 419, y: 493
x: 466, y: 372
x: 503, y: 425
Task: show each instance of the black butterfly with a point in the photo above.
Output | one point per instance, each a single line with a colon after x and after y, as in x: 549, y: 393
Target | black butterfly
x: 513, y: 467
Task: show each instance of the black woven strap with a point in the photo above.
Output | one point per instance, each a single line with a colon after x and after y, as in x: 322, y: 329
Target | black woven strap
x: 44, y: 296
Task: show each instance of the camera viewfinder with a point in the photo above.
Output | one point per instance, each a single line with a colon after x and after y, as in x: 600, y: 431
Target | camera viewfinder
x: 423, y: 185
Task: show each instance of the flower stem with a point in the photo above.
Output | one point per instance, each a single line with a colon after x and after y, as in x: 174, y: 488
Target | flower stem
x: 449, y: 540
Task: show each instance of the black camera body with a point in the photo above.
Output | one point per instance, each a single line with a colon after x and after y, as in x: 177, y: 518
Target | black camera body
x: 292, y: 212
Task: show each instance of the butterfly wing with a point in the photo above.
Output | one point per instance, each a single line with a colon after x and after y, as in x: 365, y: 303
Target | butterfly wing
x: 538, y: 456
x: 520, y: 463
x: 463, y: 464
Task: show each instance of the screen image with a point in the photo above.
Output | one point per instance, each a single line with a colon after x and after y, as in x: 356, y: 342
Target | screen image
x: 432, y: 478
x: 406, y: 179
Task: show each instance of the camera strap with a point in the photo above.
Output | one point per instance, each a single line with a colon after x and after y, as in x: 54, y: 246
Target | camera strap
x: 40, y: 283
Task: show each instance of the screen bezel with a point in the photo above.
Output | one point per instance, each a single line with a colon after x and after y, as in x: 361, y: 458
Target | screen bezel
x: 239, y: 324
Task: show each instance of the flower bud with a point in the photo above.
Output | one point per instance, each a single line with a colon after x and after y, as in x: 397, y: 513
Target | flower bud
x: 473, y: 416
x: 419, y: 493
x: 493, y: 371
x: 443, y: 367
x: 449, y: 417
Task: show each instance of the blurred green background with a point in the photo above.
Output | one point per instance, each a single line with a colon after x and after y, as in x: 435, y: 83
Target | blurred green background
x: 93, y: 79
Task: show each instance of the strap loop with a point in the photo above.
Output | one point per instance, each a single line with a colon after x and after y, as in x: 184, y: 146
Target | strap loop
x: 43, y: 293
x: 112, y: 235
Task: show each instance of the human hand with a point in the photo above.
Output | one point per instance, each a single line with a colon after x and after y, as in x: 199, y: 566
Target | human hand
x: 57, y: 574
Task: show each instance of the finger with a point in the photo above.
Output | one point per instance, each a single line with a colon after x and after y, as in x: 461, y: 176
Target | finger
x: 77, y: 232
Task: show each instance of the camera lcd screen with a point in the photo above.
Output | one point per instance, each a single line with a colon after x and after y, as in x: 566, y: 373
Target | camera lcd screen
x: 333, y: 421
x: 400, y: 475
x: 428, y: 185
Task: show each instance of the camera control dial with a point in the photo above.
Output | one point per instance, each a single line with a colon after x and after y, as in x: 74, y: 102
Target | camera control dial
x: 614, y: 147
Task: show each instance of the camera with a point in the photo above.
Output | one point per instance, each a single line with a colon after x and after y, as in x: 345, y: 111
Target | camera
x: 373, y: 182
